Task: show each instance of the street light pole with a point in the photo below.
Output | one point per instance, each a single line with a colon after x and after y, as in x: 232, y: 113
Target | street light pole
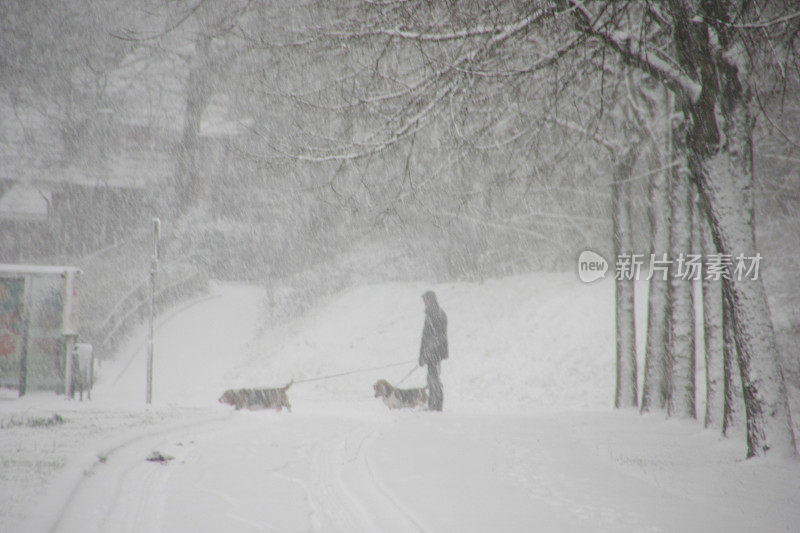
x: 153, y: 272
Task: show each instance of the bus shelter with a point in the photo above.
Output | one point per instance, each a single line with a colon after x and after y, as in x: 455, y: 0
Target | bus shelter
x: 37, y: 333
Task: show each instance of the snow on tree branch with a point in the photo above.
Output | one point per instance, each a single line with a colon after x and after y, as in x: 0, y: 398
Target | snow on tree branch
x: 633, y: 51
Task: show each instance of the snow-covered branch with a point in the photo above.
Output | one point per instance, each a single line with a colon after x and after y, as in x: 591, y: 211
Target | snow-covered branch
x: 612, y: 146
x: 633, y: 51
x: 759, y: 25
x: 400, y: 33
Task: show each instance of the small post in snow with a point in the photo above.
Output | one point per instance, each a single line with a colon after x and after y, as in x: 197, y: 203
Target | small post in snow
x: 68, y: 332
x: 153, y: 272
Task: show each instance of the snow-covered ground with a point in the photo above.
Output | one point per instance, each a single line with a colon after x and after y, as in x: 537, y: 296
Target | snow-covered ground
x: 527, y: 442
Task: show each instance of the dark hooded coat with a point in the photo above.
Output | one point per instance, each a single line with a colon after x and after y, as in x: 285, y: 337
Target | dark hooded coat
x: 433, y: 347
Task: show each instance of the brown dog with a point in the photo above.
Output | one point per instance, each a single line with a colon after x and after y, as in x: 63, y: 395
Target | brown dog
x: 258, y: 398
x: 396, y: 398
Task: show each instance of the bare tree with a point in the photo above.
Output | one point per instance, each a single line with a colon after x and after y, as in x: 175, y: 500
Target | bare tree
x: 712, y: 338
x: 733, y: 402
x: 681, y: 365
x: 203, y: 39
x: 626, y: 390
x: 704, y: 53
x: 655, y: 385
x: 711, y: 67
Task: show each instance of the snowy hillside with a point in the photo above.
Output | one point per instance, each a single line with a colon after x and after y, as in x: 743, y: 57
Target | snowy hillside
x: 535, y: 342
x: 527, y: 442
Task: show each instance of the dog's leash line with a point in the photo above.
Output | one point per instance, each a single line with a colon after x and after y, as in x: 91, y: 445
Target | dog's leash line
x: 408, y: 375
x: 320, y: 378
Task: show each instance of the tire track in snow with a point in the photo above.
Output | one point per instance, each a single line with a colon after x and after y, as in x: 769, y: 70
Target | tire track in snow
x: 338, y: 503
x: 348, y: 490
x: 72, y: 514
x: 392, y: 499
x: 343, y: 491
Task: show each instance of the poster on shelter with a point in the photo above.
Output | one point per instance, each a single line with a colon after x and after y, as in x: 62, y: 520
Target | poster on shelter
x: 45, y: 361
x: 12, y: 293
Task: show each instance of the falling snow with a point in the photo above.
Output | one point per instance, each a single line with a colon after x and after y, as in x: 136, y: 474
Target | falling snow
x: 312, y: 170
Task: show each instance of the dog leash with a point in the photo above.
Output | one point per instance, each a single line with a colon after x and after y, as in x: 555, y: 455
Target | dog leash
x: 409, y: 374
x: 331, y: 376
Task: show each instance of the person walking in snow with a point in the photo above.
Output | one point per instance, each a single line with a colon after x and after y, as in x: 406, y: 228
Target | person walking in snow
x: 433, y: 348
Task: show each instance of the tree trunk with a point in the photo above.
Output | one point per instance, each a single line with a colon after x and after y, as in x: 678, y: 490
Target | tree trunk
x: 763, y: 387
x: 681, y: 367
x: 725, y: 180
x: 654, y: 388
x: 189, y: 182
x: 626, y: 394
x: 720, y: 144
x: 733, y: 405
x: 712, y: 337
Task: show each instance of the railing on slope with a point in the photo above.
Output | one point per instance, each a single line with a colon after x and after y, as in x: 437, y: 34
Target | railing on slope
x: 132, y: 308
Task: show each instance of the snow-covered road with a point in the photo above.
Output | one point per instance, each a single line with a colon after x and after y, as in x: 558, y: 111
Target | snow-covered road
x: 526, y: 442
x: 266, y: 472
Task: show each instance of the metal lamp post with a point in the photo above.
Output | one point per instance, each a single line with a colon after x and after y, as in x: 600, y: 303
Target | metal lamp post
x: 153, y: 273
